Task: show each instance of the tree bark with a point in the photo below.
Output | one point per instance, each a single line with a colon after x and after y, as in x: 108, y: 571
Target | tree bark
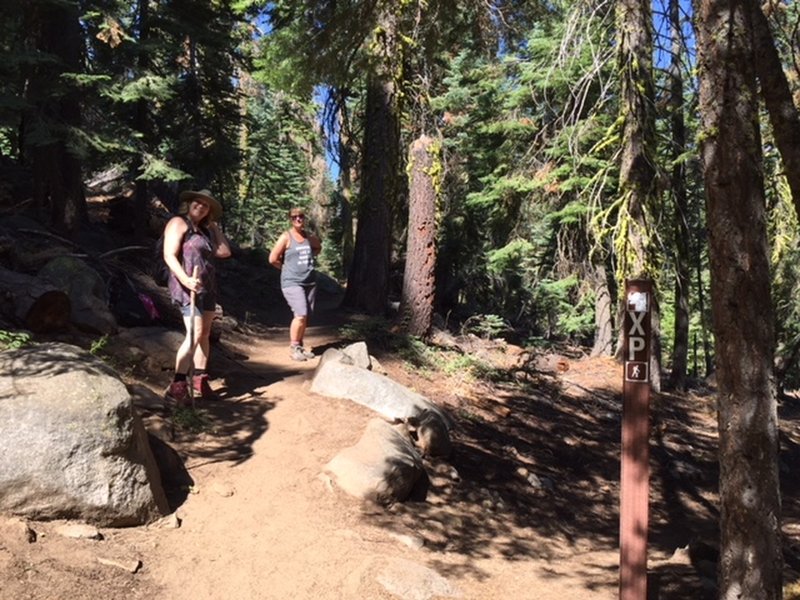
x: 416, y: 305
x: 777, y: 95
x: 680, y: 350
x: 603, y: 307
x: 58, y: 184
x: 368, y: 279
x: 346, y: 188
x: 637, y: 166
x: 141, y: 123
x: 750, y: 553
x: 37, y: 304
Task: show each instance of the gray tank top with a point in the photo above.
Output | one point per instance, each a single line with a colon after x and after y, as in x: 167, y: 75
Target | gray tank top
x: 298, y: 264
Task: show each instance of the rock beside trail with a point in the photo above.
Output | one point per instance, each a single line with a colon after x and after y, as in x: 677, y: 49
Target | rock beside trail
x: 71, y: 443
x: 87, y: 293
x: 382, y: 466
x: 342, y: 374
x: 409, y: 580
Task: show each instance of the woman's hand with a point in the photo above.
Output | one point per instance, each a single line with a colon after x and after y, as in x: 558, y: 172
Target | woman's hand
x: 193, y: 284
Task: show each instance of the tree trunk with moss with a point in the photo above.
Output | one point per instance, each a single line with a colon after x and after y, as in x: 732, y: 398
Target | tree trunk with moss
x: 750, y: 552
x: 635, y: 256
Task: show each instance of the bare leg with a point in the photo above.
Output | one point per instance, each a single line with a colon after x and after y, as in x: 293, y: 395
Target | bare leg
x: 202, y: 338
x: 185, y: 352
x: 297, y: 329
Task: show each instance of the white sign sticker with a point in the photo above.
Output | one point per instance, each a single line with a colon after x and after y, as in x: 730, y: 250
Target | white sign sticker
x: 637, y: 301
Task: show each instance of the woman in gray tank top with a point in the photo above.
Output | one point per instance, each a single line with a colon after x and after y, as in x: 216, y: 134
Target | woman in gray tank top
x: 294, y: 254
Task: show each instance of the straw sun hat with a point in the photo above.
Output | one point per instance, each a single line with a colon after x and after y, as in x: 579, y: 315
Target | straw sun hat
x: 215, y: 208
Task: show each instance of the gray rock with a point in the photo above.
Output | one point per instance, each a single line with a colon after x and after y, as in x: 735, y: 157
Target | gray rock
x: 412, y: 581
x: 72, y: 445
x: 158, y: 344
x: 79, y: 531
x: 433, y: 437
x: 130, y: 565
x: 86, y: 291
x: 336, y: 376
x: 358, y: 354
x: 382, y: 467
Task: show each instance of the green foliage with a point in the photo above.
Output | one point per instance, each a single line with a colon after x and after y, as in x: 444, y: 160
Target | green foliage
x: 569, y: 313
x: 528, y: 162
x: 277, y: 168
x: 12, y: 340
x: 486, y: 326
x: 97, y: 346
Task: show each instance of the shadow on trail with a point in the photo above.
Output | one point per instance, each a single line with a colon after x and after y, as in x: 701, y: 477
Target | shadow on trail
x: 537, y: 476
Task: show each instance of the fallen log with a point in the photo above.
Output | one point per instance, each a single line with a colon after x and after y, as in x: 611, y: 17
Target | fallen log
x: 37, y: 304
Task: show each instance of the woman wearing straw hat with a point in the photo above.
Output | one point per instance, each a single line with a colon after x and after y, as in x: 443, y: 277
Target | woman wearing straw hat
x: 191, y: 241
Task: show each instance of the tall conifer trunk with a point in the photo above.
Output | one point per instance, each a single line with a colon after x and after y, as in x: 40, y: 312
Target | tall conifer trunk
x: 368, y: 279
x: 680, y: 351
x: 141, y: 120
x: 637, y: 167
x: 58, y: 183
x: 750, y: 554
x: 416, y: 306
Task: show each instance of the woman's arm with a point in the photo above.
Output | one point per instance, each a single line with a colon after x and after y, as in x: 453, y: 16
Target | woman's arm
x: 173, y: 238
x: 316, y: 244
x: 276, y: 255
x: 222, y: 248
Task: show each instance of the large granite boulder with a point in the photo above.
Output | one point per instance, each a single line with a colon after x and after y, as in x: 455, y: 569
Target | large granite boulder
x: 71, y: 445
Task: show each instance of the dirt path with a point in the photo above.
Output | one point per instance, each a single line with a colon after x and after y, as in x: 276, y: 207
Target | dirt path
x: 285, y: 533
x: 526, y: 508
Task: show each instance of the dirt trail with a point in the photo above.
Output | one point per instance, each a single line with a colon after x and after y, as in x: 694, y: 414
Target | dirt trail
x: 284, y: 533
x: 259, y: 522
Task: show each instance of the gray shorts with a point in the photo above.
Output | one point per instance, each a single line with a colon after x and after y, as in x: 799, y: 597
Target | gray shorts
x: 204, y: 303
x: 301, y: 299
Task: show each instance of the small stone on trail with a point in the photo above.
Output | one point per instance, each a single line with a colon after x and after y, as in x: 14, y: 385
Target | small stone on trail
x: 326, y: 479
x: 223, y: 488
x: 79, y: 531
x: 414, y: 542
x: 171, y: 521
x: 131, y: 566
x: 17, y: 529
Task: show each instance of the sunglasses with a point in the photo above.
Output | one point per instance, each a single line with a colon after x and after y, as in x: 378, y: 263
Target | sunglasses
x: 298, y: 217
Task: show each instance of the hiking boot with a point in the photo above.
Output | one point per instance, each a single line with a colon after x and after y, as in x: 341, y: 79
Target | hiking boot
x: 202, y: 388
x: 296, y: 352
x: 307, y: 353
x: 178, y: 392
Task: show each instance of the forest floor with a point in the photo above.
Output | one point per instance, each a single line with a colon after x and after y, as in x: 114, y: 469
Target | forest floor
x: 525, y: 508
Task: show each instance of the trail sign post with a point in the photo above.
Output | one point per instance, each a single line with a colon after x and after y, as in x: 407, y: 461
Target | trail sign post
x: 635, y: 470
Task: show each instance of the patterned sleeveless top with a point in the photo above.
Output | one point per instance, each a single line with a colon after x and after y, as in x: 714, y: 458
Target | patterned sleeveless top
x: 196, y: 250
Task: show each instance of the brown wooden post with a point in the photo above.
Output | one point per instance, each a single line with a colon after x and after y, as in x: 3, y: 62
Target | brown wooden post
x: 635, y: 475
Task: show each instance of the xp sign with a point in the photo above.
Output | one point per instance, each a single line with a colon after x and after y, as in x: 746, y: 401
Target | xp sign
x: 635, y: 471
x: 637, y: 333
